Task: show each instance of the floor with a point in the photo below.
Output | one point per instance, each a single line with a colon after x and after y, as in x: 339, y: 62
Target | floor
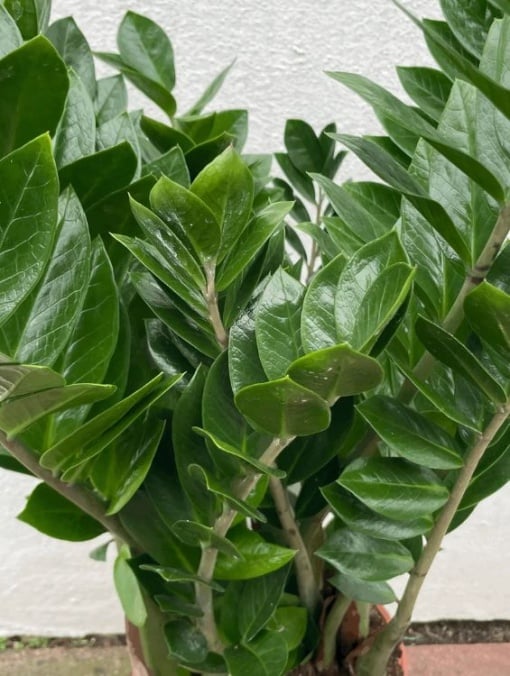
x: 479, y: 659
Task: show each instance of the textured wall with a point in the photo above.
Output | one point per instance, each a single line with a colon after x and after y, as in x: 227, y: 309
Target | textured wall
x: 282, y: 48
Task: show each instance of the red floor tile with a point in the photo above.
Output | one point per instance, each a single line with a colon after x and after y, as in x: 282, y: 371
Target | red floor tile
x: 479, y: 659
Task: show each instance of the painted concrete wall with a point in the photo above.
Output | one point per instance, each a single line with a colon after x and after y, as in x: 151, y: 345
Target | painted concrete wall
x: 282, y: 48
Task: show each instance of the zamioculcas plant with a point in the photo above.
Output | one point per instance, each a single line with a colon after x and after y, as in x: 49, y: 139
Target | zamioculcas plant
x: 270, y: 432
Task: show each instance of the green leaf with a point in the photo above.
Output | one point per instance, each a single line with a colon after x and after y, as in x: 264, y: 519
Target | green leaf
x: 33, y: 89
x: 145, y: 48
x: 226, y: 186
x: 171, y: 164
x: 10, y: 36
x: 74, y: 50
x: 303, y: 146
x: 163, y: 137
x: 283, y: 408
x: 429, y: 88
x: 76, y: 132
x: 128, y: 589
x: 360, y: 518
x: 391, y: 171
x: 210, y: 92
x: 410, y: 434
x: 111, y: 98
x: 19, y: 413
x: 469, y: 21
x: 170, y: 574
x: 258, y: 557
x: 278, y: 322
x: 394, y: 487
x: 258, y: 601
x: 51, y: 514
x: 28, y: 220
x: 290, y: 622
x: 196, y: 534
x: 450, y: 351
x: 31, y: 15
x: 185, y: 642
x: 360, y: 590
x: 264, y: 656
x: 187, y: 214
x: 364, y: 557
x: 487, y: 310
x: 300, y: 181
x: 41, y: 327
x: 120, y: 469
x: 174, y: 605
x: 115, y: 131
x: 243, y: 357
x: 96, y: 176
x: 318, y: 328
x: 337, y: 371
x: 95, y: 435
x: 17, y: 380
x: 256, y: 233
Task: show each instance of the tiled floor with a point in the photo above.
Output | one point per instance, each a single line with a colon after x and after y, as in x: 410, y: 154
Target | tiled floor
x: 479, y: 659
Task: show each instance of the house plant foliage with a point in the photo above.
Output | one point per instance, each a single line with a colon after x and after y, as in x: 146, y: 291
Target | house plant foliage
x: 269, y: 432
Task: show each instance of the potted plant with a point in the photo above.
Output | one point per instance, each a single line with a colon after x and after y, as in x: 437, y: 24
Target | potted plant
x: 268, y: 432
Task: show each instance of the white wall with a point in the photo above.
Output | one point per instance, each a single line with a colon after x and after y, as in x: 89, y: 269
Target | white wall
x: 282, y: 48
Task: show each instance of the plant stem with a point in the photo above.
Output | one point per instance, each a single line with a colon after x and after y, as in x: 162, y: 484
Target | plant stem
x: 212, y: 306
x: 314, y: 251
x: 374, y: 663
x: 203, y: 592
x: 307, y: 585
x: 329, y: 633
x: 78, y: 495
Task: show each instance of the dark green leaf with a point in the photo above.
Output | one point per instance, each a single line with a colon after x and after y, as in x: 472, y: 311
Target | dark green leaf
x: 450, y: 351
x: 164, y: 137
x: 429, y: 88
x: 31, y: 15
x: 196, y: 534
x: 111, y: 98
x: 364, y: 557
x: 303, y: 146
x: 469, y: 21
x: 55, y: 516
x: 243, y: 357
x: 171, y: 164
x: 170, y: 574
x: 258, y: 601
x: 264, y: 656
x: 33, y: 89
x: 283, y: 408
x: 394, y: 487
x: 10, y: 36
x: 28, y: 220
x: 300, y: 181
x: 487, y: 310
x: 210, y: 92
x: 185, y: 642
x: 76, y: 132
x: 74, y: 50
x: 360, y: 590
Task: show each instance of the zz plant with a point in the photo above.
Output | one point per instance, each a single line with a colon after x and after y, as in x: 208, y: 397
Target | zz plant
x: 269, y: 432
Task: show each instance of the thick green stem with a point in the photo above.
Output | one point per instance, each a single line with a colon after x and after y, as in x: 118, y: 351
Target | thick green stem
x: 212, y: 306
x: 78, y: 495
x: 329, y: 633
x: 307, y: 585
x: 375, y: 661
x: 203, y: 592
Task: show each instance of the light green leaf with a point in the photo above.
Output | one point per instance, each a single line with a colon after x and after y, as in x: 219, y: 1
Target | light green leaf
x: 335, y: 372
x: 278, y: 323
x: 469, y: 21
x: 188, y: 215
x: 283, y: 408
x: 264, y: 656
x: 33, y: 90
x: 10, y: 36
x: 76, y: 131
x: 51, y: 514
x: 258, y: 601
x: 210, y: 92
x: 258, y: 557
x: 450, y: 351
x: 28, y: 220
x: 360, y: 590
x: 290, y: 622
x: 111, y: 98
x: 410, y: 434
x: 144, y: 47
x: 394, y: 487
x: 196, y: 534
x: 128, y: 589
x: 42, y: 325
x: 364, y: 557
x: 429, y: 88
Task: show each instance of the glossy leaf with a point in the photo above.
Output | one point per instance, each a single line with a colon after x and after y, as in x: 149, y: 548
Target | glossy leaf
x: 450, y: 351
x: 283, y: 408
x: 244, y: 363
x: 196, y: 534
x: 360, y: 518
x: 278, y: 322
x: 28, y: 213
x: 111, y: 98
x: 17, y: 380
x: 187, y: 214
x: 171, y: 164
x: 74, y: 50
x: 226, y: 186
x: 145, y: 48
x: 394, y: 487
x: 51, y: 514
x: 360, y: 590
x: 210, y: 92
x: 487, y: 310
x: 41, y: 327
x: 33, y: 89
x: 32, y: 16
x: 364, y: 557
x: 264, y: 656
x: 128, y: 589
x: 303, y: 146
x: 410, y: 434
x: 299, y: 180
x: 10, y: 36
x: 290, y: 622
x: 170, y: 574
x: 258, y: 600
x: 258, y: 557
x: 469, y: 22
x: 429, y: 88
x: 335, y: 372
x: 117, y: 130
x: 185, y: 642
x: 76, y: 132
